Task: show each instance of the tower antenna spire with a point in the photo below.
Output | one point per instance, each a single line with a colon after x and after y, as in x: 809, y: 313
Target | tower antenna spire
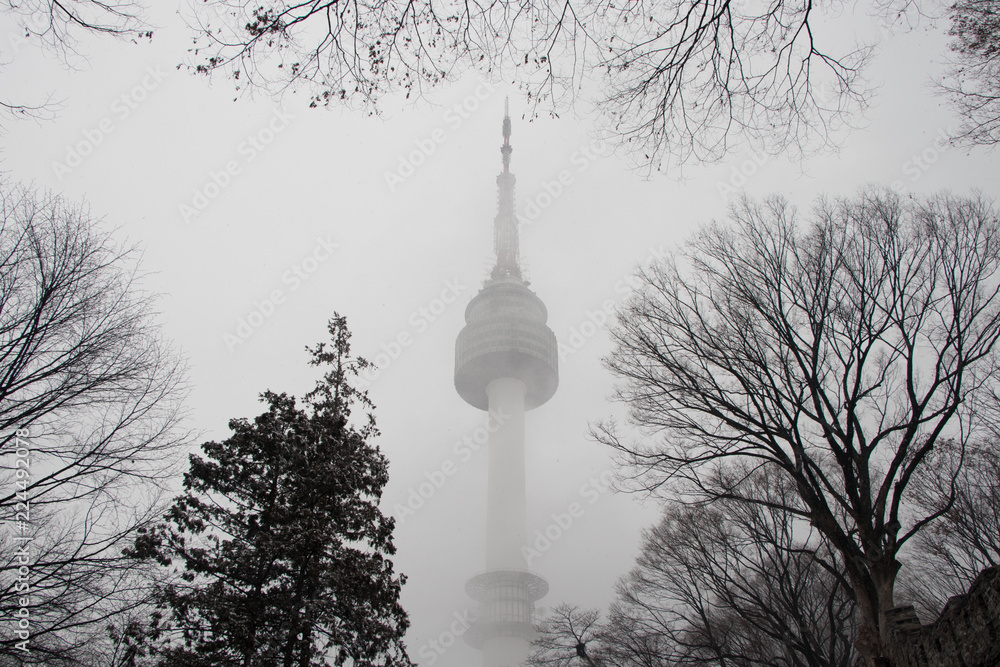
x: 505, y: 241
x: 506, y: 149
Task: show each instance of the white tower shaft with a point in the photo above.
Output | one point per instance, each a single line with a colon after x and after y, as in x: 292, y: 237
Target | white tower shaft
x: 506, y: 514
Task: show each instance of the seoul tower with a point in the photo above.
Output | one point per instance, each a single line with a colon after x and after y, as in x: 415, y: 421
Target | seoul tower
x: 505, y: 362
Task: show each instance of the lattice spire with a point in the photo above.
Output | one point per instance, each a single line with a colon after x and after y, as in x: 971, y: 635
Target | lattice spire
x: 505, y: 238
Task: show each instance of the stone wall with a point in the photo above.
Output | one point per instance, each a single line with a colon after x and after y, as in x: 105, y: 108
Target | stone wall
x: 966, y: 634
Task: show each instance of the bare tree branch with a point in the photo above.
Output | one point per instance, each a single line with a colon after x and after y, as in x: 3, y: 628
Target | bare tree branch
x: 56, y: 26
x: 964, y: 488
x: 85, y: 374
x: 841, y: 353
x: 678, y: 81
x: 733, y: 583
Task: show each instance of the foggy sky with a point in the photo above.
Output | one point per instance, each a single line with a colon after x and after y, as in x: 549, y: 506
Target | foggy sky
x: 259, y: 218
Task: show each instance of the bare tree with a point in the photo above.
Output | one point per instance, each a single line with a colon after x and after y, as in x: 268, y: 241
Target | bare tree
x: 89, y: 397
x: 681, y: 79
x: 56, y: 26
x: 951, y: 552
x: 973, y: 81
x: 734, y: 583
x: 563, y: 638
x: 839, y: 353
x: 740, y: 583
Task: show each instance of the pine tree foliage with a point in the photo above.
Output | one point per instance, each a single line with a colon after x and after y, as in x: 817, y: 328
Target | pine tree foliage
x: 281, y: 549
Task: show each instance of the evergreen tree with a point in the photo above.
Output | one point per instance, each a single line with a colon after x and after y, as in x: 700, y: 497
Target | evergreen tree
x: 281, y: 550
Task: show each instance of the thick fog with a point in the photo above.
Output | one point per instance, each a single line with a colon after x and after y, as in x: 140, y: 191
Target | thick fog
x: 259, y: 218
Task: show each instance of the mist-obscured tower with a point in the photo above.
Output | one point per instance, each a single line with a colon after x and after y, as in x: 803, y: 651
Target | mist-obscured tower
x: 505, y: 362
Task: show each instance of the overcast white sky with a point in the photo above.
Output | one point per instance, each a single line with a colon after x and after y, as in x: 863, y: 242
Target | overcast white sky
x: 305, y: 214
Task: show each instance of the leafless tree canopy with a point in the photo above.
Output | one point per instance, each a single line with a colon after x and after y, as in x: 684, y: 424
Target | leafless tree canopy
x: 57, y: 26
x: 739, y: 583
x: 733, y: 583
x: 950, y: 553
x: 840, y: 352
x: 566, y: 638
x: 677, y: 78
x: 974, y: 78
x: 84, y: 371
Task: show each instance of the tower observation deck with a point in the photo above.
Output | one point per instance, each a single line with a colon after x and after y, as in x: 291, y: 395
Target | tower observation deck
x: 505, y: 362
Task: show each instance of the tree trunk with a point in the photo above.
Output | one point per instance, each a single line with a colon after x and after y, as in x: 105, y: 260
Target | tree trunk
x: 295, y: 614
x: 874, y: 595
